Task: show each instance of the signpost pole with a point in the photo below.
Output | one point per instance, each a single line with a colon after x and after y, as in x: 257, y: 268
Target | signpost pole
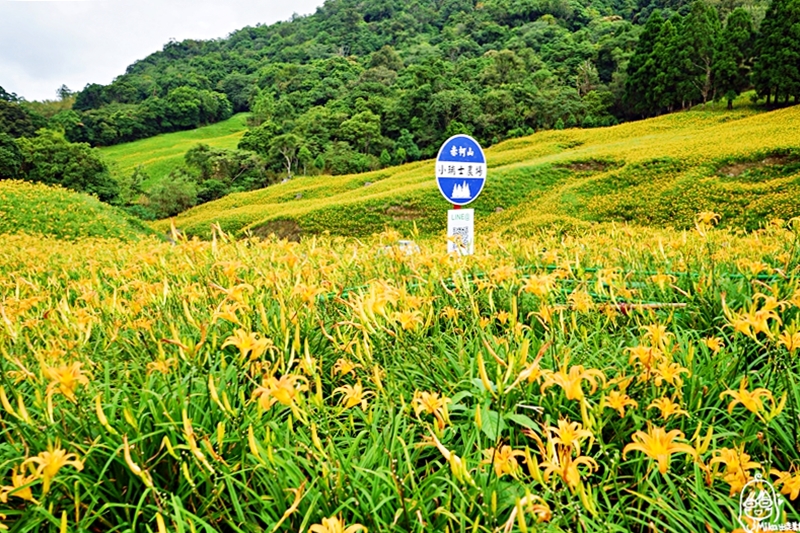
x: 460, y: 175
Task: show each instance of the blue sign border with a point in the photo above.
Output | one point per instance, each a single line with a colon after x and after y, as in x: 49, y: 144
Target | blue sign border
x: 439, y: 160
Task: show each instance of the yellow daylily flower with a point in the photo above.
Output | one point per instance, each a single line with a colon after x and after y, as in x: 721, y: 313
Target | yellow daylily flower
x: 503, y: 459
x: 563, y: 464
x: 659, y: 445
x: 433, y: 404
x: 751, y: 400
x: 65, y: 379
x: 570, y: 381
x: 618, y: 400
x: 788, y: 481
x: 570, y: 435
x: 284, y: 390
x: 49, y: 462
x: 353, y: 395
x: 18, y: 480
x: 667, y: 408
x: 335, y: 524
x: 737, y: 464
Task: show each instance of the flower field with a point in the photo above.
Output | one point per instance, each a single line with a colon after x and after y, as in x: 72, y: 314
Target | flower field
x: 629, y: 380
x: 56, y: 212
x: 661, y: 171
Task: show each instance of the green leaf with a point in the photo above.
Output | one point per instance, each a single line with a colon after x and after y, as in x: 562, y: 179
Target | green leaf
x: 522, y: 420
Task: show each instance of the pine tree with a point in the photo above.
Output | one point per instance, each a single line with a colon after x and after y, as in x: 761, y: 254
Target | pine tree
x: 776, y: 73
x: 642, y: 68
x: 665, y: 90
x: 733, y: 56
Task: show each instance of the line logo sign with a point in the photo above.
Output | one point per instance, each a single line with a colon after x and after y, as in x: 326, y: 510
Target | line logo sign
x: 461, y: 169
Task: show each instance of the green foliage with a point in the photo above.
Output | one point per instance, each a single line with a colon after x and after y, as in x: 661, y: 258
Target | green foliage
x: 776, y: 74
x: 160, y: 155
x: 172, y: 196
x: 37, y: 209
x: 220, y: 172
x: 49, y: 158
x: 10, y: 157
x: 16, y: 121
x: 734, y: 56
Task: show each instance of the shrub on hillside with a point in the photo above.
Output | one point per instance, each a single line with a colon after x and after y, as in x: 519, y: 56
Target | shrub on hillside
x: 49, y: 158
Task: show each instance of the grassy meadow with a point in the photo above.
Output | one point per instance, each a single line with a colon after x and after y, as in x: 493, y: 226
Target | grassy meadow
x: 618, y: 379
x: 161, y: 154
x: 660, y: 171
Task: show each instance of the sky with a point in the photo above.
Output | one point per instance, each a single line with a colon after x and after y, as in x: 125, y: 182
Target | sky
x: 47, y: 43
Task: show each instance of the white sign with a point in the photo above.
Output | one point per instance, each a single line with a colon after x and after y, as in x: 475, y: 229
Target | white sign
x: 461, y: 231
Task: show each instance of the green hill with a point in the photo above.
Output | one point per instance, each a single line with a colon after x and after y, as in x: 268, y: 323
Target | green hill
x: 660, y: 171
x: 161, y: 154
x: 50, y: 211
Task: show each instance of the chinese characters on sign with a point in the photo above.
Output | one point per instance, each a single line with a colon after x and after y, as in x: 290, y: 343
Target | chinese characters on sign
x: 461, y: 170
x: 461, y: 175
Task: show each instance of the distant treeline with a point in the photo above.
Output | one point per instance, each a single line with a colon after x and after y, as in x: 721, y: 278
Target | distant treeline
x: 682, y: 60
x: 364, y: 84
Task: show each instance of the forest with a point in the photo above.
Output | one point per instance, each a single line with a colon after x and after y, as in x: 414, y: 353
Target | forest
x: 365, y: 84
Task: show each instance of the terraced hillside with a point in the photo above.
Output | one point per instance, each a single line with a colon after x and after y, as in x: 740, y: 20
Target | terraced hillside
x: 159, y: 155
x: 743, y: 165
x: 38, y: 209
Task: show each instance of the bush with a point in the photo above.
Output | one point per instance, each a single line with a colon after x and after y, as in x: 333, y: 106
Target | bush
x: 49, y: 158
x: 172, y: 196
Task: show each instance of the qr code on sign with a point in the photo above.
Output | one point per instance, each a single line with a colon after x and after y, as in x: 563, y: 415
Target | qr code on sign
x: 461, y: 236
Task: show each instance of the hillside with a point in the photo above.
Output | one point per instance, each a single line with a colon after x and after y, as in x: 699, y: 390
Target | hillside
x: 55, y: 212
x: 661, y: 171
x: 160, y: 155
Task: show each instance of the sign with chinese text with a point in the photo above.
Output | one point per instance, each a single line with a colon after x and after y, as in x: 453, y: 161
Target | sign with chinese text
x: 461, y: 169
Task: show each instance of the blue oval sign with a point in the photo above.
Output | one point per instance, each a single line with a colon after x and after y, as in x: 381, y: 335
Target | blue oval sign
x: 461, y: 169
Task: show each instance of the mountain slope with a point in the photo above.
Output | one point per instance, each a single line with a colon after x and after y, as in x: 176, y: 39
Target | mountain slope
x: 660, y: 171
x: 162, y: 154
x: 51, y: 211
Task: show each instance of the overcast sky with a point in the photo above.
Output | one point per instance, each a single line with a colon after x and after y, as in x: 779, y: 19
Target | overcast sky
x: 46, y: 43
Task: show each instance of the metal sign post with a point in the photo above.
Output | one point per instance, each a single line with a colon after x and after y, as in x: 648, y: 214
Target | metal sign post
x: 461, y: 175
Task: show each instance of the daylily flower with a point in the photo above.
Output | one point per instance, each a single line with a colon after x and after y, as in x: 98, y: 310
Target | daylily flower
x: 659, y: 445
x: 49, y: 462
x: 335, y: 524
x: 65, y: 379
x: 503, y: 459
x: 353, y: 395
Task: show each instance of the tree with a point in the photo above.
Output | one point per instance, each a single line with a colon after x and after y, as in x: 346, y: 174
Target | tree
x: 51, y: 159
x: 173, y: 195
x: 642, y: 68
x: 733, y: 56
x: 667, y: 84
x: 776, y: 72
x: 304, y: 157
x: 8, y: 97
x: 700, y: 30
x: 262, y: 107
x: 406, y: 143
x: 361, y: 129
x: 285, y: 146
x: 64, y: 92
x: 10, y: 157
x: 16, y: 121
x: 386, y: 158
x: 258, y: 139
